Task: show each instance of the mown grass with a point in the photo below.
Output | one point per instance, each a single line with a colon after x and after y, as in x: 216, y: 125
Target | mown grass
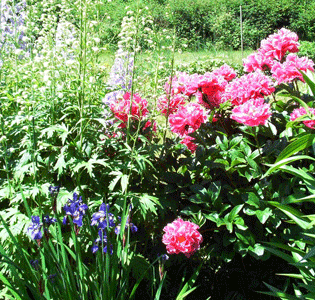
x: 228, y: 56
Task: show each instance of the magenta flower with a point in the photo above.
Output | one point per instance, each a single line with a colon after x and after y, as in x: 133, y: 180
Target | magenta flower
x: 299, y: 112
x: 172, y: 105
x: 277, y: 45
x: 212, y: 88
x: 252, y: 113
x: 289, y: 70
x: 121, y: 108
x: 226, y: 72
x: 250, y: 86
x: 182, y: 237
x: 187, y: 119
x: 257, y: 61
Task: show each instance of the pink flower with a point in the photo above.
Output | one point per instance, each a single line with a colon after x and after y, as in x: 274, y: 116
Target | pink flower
x: 257, y: 61
x: 189, y: 144
x: 289, y: 70
x: 182, y: 237
x: 278, y: 44
x: 226, y: 72
x: 252, y: 113
x: 182, y: 83
x: 250, y: 86
x: 175, y: 103
x: 121, y: 108
x: 187, y: 119
x: 299, y: 112
x: 212, y: 87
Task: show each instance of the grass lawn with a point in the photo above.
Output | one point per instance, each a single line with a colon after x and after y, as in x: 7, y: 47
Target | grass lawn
x: 228, y: 56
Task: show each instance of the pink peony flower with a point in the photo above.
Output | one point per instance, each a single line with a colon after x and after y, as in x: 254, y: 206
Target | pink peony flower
x: 299, y: 112
x: 182, y: 237
x: 226, y: 72
x: 277, y: 45
x: 250, y: 86
x: 289, y: 70
x: 187, y: 119
x: 257, y: 61
x: 175, y: 103
x: 212, y: 87
x: 252, y: 113
x: 121, y: 108
x: 182, y: 83
x: 189, y: 144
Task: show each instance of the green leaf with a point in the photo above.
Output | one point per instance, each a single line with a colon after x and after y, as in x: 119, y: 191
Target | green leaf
x: 124, y: 182
x: 309, y: 82
x: 306, y: 177
x: 234, y: 212
x: 293, y: 214
x: 274, y: 167
x: 300, y: 144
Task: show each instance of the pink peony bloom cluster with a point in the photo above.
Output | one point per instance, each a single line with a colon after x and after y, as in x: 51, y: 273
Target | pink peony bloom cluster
x: 271, y: 56
x: 187, y: 119
x: 176, y: 101
x: 299, y: 112
x: 252, y: 113
x: 212, y: 88
x: 289, y: 70
x: 277, y: 45
x: 182, y: 237
x: 121, y: 108
x: 226, y: 72
x: 257, y: 61
x: 249, y: 86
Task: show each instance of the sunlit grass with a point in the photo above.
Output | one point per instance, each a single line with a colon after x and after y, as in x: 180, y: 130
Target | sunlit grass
x: 228, y: 56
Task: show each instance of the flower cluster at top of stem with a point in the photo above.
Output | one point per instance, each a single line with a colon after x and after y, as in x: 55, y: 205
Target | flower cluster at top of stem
x: 12, y: 27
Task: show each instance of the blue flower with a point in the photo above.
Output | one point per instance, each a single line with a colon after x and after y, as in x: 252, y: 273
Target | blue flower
x: 103, y: 218
x: 54, y: 190
x: 132, y: 226
x: 101, y: 239
x: 48, y: 220
x: 76, y: 209
x: 34, y: 229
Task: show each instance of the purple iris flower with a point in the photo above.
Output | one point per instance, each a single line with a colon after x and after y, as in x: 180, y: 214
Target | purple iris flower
x: 103, y: 217
x: 76, y: 209
x: 34, y: 229
x: 48, y: 220
x: 102, y: 239
x: 132, y: 226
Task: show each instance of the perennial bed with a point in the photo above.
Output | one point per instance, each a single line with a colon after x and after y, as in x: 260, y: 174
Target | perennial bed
x: 162, y: 184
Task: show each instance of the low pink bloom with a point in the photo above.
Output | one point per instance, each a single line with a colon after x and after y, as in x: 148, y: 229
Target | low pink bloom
x: 182, y: 83
x: 252, y: 113
x: 121, y: 108
x: 277, y: 45
x: 257, y: 61
x: 182, y: 237
x: 249, y: 86
x: 226, y: 72
x: 212, y: 88
x: 289, y: 70
x: 187, y: 119
x: 188, y: 142
x: 299, y: 112
x: 175, y: 103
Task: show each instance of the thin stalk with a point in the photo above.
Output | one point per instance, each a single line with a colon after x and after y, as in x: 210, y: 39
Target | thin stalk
x: 170, y: 87
x: 135, y: 50
x: 6, y: 163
